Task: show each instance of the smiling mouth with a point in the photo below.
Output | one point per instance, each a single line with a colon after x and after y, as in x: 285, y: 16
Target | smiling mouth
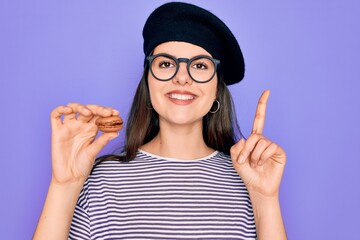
x: 181, y: 96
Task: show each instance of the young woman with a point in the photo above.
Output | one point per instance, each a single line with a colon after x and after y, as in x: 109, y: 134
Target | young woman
x: 183, y: 173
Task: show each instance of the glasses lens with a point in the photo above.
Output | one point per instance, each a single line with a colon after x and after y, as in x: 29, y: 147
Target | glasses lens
x: 163, y: 67
x: 202, y: 69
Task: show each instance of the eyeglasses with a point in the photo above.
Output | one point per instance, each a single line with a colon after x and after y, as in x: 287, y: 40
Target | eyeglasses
x: 201, y: 68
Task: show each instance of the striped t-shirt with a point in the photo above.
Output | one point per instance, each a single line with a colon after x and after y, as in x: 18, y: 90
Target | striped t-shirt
x: 153, y: 197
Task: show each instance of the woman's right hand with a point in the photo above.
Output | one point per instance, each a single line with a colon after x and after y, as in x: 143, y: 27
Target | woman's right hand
x: 74, y: 142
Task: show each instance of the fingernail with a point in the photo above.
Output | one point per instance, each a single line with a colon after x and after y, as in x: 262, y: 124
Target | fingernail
x: 241, y: 159
x: 87, y: 111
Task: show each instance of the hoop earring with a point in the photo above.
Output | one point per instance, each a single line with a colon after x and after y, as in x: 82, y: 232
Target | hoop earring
x: 217, y: 108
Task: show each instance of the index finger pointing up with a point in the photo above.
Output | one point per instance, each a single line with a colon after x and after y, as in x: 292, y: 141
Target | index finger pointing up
x: 259, y: 120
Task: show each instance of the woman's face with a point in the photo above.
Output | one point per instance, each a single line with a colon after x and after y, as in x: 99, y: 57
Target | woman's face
x: 181, y: 100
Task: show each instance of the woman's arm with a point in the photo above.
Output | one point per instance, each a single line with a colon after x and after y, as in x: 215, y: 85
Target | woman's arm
x: 74, y: 149
x: 268, y: 219
x: 55, y: 219
x: 260, y: 163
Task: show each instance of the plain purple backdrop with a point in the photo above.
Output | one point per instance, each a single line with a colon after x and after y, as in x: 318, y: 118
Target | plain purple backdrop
x: 305, y: 52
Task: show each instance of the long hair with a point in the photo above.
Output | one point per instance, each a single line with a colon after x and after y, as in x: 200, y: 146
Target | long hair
x: 220, y: 129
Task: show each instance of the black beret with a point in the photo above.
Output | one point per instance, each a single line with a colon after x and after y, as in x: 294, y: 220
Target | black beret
x: 176, y: 21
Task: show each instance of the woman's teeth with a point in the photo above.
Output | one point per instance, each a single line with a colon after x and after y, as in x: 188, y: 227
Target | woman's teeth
x: 181, y: 96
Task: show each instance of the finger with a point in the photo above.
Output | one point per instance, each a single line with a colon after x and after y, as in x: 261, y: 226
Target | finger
x: 94, y: 118
x: 70, y: 116
x: 259, y: 120
x: 100, y: 110
x: 75, y: 109
x: 270, y: 152
x: 84, y: 114
x: 100, y: 142
x: 81, y: 112
x: 260, y: 147
x: 235, y: 151
x: 84, y: 118
x: 55, y: 116
x: 249, y: 146
x: 80, y: 108
x: 115, y: 112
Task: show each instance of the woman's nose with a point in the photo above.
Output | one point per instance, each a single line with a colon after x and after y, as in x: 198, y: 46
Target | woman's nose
x: 182, y: 77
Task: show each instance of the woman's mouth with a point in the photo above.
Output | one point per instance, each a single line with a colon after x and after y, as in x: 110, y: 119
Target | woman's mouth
x: 181, y: 98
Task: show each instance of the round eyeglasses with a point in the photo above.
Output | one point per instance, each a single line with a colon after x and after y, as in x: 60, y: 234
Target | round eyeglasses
x: 201, y: 68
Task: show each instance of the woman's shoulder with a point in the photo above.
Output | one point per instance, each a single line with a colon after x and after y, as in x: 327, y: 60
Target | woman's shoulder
x: 114, y: 161
x: 110, y: 157
x: 222, y: 158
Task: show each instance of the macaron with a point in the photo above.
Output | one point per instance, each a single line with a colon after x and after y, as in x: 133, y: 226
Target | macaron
x: 109, y: 124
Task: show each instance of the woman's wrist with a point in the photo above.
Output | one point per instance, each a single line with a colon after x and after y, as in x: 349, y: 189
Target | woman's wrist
x: 67, y: 182
x: 262, y: 199
x: 69, y: 191
x: 264, y: 206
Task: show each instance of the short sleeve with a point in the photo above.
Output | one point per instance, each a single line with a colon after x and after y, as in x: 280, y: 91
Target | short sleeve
x: 80, y: 225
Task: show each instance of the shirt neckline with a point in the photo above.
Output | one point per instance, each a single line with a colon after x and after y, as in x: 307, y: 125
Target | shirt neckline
x: 177, y: 159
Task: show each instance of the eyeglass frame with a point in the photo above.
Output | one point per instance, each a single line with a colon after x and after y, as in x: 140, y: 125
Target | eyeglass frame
x: 151, y: 58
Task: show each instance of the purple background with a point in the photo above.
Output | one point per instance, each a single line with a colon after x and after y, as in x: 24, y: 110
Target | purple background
x: 306, y: 52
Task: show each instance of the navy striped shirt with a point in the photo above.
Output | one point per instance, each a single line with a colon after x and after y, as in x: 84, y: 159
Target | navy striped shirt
x: 152, y: 197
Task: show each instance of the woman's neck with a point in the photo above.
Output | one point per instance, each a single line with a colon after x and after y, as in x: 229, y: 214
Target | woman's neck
x: 179, y: 141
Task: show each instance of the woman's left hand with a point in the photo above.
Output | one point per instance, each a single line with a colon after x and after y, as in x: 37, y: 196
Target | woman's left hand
x: 259, y: 161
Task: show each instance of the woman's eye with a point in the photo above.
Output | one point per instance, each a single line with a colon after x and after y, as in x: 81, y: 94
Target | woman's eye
x: 166, y: 65
x: 200, y: 66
